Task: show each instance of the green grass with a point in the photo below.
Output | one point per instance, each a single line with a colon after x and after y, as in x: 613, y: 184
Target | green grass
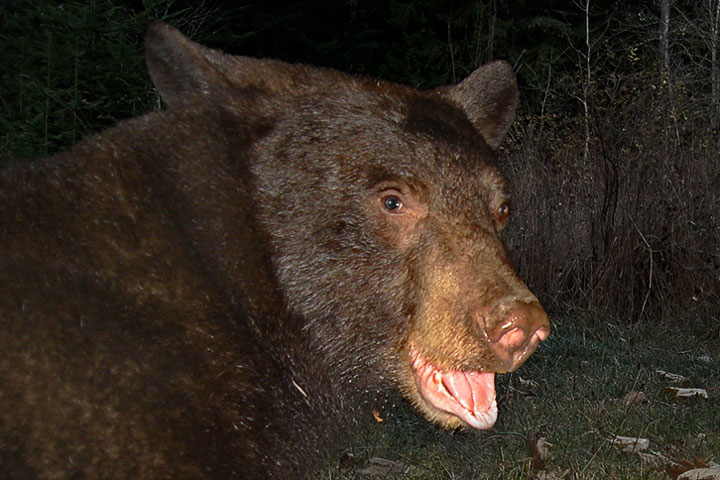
x: 580, y: 375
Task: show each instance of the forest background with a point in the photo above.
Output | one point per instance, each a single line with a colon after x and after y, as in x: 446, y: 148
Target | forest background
x: 614, y: 160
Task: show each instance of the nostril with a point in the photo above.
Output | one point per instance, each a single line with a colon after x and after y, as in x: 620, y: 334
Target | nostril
x: 495, y: 331
x: 514, y: 329
x: 514, y: 339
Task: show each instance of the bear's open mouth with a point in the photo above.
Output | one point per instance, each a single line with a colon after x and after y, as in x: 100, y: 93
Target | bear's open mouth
x: 468, y: 395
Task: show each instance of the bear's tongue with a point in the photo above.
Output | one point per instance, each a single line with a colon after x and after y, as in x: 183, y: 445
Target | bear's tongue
x: 467, y: 395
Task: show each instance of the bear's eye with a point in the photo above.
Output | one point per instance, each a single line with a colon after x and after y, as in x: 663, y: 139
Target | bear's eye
x: 392, y: 203
x: 502, y: 211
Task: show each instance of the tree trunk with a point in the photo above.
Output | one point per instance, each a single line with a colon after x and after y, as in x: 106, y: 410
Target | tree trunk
x: 664, y: 38
x: 586, y: 83
x: 715, y: 62
x: 491, y: 31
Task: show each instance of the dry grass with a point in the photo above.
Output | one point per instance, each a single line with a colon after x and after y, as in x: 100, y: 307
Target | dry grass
x: 633, y: 229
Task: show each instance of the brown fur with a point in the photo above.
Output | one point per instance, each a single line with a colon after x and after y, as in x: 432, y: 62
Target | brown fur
x: 219, y: 291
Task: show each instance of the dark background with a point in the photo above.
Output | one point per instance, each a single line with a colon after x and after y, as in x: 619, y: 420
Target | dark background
x: 614, y: 159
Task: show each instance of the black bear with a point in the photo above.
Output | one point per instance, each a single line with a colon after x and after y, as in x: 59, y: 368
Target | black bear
x: 223, y: 289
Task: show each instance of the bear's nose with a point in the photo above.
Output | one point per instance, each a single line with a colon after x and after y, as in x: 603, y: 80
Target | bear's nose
x: 514, y: 328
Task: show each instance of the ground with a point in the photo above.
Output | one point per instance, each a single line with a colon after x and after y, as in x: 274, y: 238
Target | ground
x: 571, y: 393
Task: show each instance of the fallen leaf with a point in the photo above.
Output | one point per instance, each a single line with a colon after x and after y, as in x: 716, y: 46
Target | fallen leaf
x: 376, y: 416
x: 673, y: 377
x: 557, y: 475
x: 709, y: 473
x: 696, y: 469
x: 543, y: 448
x: 687, y: 392
x: 712, y: 473
x: 654, y: 459
x: 674, y: 470
x: 540, y: 448
x: 634, y: 398
x: 381, y: 467
x: 630, y: 444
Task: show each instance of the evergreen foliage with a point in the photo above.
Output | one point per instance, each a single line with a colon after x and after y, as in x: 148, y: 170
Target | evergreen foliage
x: 68, y: 69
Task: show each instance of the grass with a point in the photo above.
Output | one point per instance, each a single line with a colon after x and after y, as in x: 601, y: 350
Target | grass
x: 578, y: 379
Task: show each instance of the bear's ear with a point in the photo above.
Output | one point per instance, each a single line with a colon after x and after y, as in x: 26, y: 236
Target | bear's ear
x: 180, y: 69
x: 489, y: 97
x: 183, y: 70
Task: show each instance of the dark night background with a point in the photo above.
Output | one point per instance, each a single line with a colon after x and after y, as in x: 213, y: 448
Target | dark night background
x: 614, y: 159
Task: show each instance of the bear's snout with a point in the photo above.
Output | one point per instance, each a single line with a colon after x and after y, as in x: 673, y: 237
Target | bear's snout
x: 513, y: 329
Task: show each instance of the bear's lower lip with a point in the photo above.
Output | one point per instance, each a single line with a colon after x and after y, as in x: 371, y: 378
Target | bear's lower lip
x: 468, y: 395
